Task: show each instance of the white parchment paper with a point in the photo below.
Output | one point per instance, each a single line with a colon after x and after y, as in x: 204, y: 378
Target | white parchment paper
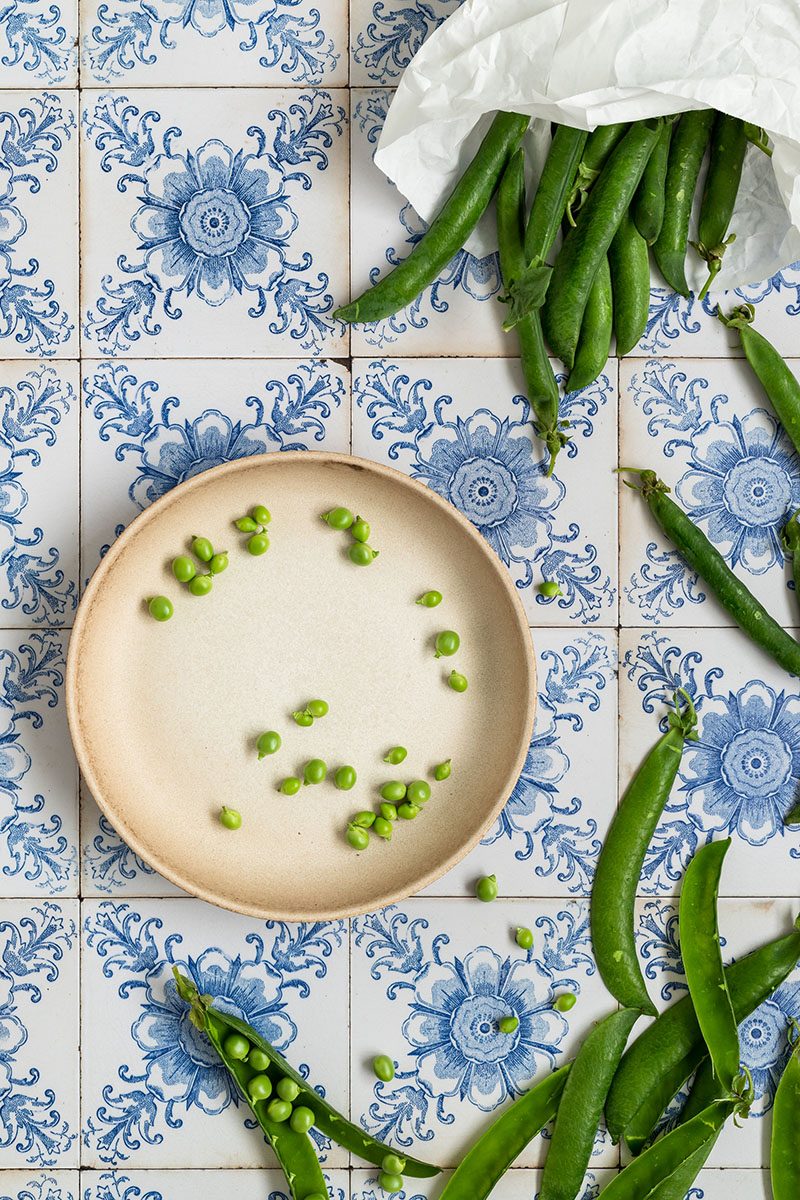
x: 591, y: 62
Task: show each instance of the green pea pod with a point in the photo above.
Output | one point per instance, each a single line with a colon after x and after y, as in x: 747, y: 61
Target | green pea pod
x: 450, y: 229
x: 729, y: 143
x: 676, y: 1185
x: 553, y: 191
x: 785, y: 1149
x: 793, y: 817
x: 326, y: 1119
x: 673, y: 1043
x: 641, y: 1125
x: 585, y: 246
x: 597, y: 326
x: 648, y: 203
x: 505, y: 1139
x: 629, y: 260
x: 619, y: 867
x: 790, y: 537
x: 581, y: 1106
x: 779, y: 384
x: 705, y: 559
x: 704, y: 1090
x: 689, y: 140
x: 599, y: 145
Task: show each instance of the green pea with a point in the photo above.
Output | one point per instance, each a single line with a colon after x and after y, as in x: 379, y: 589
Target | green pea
x: 317, y: 708
x: 345, y: 779
x: 388, y: 812
x: 447, y: 642
x: 236, y: 1046
x: 396, y: 755
x: 389, y: 1182
x: 160, y: 608
x: 408, y: 811
x: 183, y: 568
x: 339, y: 518
x: 301, y: 1120
x: 260, y: 1087
x: 258, y: 1060
x: 419, y: 792
x: 268, y: 743
x: 508, y: 1024
x: 258, y: 544
x: 442, y: 771
x: 202, y: 549
x: 290, y: 786
x: 315, y: 771
x: 364, y: 819
x: 486, y: 888
x: 287, y: 1089
x: 362, y: 554
x: 360, y: 530
x: 430, y: 599
x: 262, y: 514
x: 201, y: 585
x: 357, y: 837
x: 230, y: 818
x: 383, y: 828
x: 383, y: 1067
x: 246, y: 525
x: 524, y: 938
x: 393, y: 791
x: 394, y: 1164
x: 458, y: 682
x: 550, y: 589
x: 303, y: 718
x: 218, y: 563
x: 565, y: 1001
x: 279, y: 1110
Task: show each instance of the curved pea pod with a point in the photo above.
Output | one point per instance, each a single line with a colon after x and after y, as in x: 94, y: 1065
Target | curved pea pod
x: 779, y: 384
x: 553, y: 191
x: 729, y: 142
x: 619, y: 867
x: 629, y: 261
x: 449, y: 230
x: 582, y: 1106
x: 668, y: 1168
x: 594, y: 343
x: 505, y: 1139
x: 639, y: 1129
x: 689, y: 140
x: 785, y: 1146
x: 327, y: 1120
x: 648, y: 203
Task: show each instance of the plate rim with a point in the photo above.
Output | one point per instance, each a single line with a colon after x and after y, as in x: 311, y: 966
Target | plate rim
x: 105, y: 566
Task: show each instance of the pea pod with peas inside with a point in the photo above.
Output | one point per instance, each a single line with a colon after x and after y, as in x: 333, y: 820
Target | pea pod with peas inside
x: 785, y: 1146
x: 779, y: 384
x: 690, y: 138
x: 648, y: 203
x: 729, y: 143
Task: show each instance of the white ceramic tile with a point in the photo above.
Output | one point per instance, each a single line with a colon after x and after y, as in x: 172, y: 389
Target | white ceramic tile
x: 39, y: 1185
x: 386, y: 34
x: 38, y: 44
x: 151, y: 1084
x: 108, y: 865
x: 706, y: 428
x: 189, y: 1184
x: 38, y: 773
x: 430, y: 979
x: 739, y: 779
x: 518, y: 1183
x: 39, y: 966
x: 547, y: 838
x: 214, y: 223
x: 167, y: 44
x: 463, y: 428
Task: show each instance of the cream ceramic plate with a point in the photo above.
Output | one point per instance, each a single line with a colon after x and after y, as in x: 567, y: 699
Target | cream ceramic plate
x: 164, y: 717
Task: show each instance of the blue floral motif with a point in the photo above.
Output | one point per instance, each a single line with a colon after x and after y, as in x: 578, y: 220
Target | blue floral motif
x: 764, y: 1039
x: 178, y: 1068
x: 110, y: 862
x: 43, y: 1188
x: 31, y: 411
x: 111, y: 1185
x: 213, y: 222
x: 394, y: 35
x: 37, y: 40
x: 130, y: 33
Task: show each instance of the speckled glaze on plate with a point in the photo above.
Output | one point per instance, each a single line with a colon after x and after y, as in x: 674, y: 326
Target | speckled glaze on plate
x: 164, y: 717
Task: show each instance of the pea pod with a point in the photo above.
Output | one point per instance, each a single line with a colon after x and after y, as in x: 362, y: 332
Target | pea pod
x: 705, y: 559
x: 326, y: 1119
x: 599, y: 145
x: 662, y: 1170
x: 729, y: 143
x: 587, y: 243
x: 630, y: 284
x: 648, y: 203
x: 553, y: 191
x: 581, y: 1106
x: 619, y: 867
x: 674, y: 1043
x: 785, y: 1149
x: 779, y: 384
x: 689, y: 140
x: 641, y: 1125
x: 449, y: 230
x: 790, y: 537
x: 505, y: 1139
x: 597, y: 326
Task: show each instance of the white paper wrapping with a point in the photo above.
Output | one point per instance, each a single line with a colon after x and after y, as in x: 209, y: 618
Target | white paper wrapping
x: 591, y: 62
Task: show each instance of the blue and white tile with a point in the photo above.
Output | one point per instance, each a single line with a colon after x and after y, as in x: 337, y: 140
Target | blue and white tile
x: 386, y: 34
x: 151, y: 1084
x: 463, y: 427
x: 39, y: 1099
x: 430, y: 979
x: 188, y: 1185
x: 39, y: 1185
x: 38, y: 43
x: 147, y: 426
x: 706, y: 429
x: 739, y: 779
x: 180, y: 43
x: 38, y: 224
x: 548, y: 836
x: 214, y: 223
x: 38, y: 773
x: 517, y: 1184
x: 38, y: 492
x: 108, y: 865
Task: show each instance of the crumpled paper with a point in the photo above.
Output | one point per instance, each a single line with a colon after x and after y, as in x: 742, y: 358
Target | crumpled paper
x: 584, y: 63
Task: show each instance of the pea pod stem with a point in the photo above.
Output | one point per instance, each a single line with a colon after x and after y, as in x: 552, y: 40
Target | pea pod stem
x: 785, y: 1144
x: 728, y: 147
x: 619, y: 867
x: 599, y: 145
x: 779, y: 384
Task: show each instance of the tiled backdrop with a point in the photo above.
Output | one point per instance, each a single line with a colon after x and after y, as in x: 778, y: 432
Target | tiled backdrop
x: 219, y: 155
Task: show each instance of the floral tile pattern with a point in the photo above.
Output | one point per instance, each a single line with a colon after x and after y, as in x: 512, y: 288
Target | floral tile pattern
x: 187, y: 1185
x: 386, y: 34
x: 38, y: 40
x: 39, y: 1185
